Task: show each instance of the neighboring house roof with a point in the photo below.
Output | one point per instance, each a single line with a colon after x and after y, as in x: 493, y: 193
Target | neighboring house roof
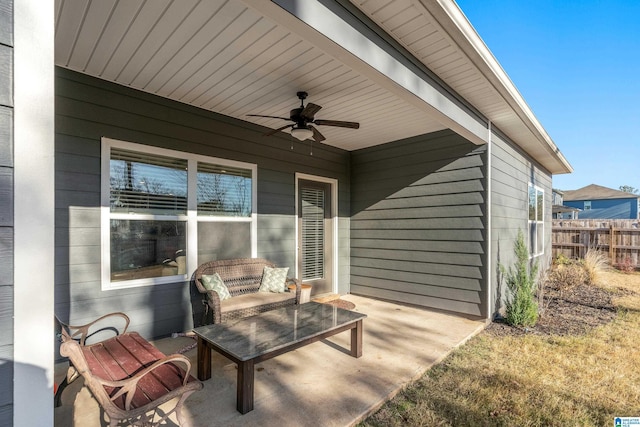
x: 597, y: 192
x: 409, y: 68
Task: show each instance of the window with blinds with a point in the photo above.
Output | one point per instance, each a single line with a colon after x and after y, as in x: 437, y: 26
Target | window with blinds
x: 147, y: 183
x: 149, y: 227
x: 223, y: 190
x: 312, y: 233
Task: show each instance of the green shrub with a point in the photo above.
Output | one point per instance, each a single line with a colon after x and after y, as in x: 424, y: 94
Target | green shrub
x: 562, y: 259
x: 521, y: 305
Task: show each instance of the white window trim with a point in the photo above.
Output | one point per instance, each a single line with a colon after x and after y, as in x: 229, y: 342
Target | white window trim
x: 191, y: 218
x: 538, y: 223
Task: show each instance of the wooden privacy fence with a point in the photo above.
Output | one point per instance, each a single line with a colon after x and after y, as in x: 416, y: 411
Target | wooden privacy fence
x: 619, y: 238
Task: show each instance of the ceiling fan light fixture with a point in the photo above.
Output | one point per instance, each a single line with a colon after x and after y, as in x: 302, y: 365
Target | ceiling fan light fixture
x: 301, y: 133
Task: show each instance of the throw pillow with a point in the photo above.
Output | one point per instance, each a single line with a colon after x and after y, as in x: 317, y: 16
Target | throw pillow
x: 274, y: 279
x: 214, y: 282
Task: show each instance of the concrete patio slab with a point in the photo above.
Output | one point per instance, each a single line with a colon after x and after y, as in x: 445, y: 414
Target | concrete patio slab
x: 320, y: 384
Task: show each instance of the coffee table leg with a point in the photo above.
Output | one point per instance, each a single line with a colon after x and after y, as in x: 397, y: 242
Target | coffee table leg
x: 204, y: 360
x: 356, y: 340
x: 244, y: 395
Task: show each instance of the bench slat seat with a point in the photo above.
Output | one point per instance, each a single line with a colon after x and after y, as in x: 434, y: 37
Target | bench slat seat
x: 129, y: 377
x: 124, y: 356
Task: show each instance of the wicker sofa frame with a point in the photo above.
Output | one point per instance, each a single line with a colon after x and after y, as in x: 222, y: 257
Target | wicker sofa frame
x: 127, y: 375
x: 241, y: 276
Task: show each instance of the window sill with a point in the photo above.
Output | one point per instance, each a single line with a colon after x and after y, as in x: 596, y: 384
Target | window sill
x: 141, y: 282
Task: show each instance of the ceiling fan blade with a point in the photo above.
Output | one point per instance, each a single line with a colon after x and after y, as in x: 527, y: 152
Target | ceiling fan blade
x: 317, y: 136
x: 309, y: 111
x: 268, y: 117
x: 338, y: 123
x: 274, y: 131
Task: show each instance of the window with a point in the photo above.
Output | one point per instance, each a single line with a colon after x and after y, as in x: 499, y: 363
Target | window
x: 536, y: 220
x: 164, y: 212
x: 587, y: 205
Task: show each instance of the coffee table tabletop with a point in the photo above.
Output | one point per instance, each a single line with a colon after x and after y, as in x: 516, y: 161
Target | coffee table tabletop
x: 251, y: 340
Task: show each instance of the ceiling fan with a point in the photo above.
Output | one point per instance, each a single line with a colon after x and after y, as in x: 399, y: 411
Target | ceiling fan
x: 303, y: 118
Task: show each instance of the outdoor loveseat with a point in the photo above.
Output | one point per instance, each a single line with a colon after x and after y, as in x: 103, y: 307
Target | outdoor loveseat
x: 242, y: 278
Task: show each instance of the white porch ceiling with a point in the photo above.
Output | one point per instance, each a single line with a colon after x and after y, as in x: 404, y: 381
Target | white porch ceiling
x: 233, y: 58
x: 225, y: 57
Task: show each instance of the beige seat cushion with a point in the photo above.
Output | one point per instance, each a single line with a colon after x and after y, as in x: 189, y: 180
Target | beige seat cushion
x: 241, y: 302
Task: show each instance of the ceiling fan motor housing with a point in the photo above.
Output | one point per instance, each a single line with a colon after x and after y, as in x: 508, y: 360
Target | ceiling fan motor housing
x: 295, y: 116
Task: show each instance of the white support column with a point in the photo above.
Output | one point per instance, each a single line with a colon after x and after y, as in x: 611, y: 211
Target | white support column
x: 33, y: 212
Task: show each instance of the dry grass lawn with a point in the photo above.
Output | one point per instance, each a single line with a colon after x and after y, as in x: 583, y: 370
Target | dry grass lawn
x: 532, y: 379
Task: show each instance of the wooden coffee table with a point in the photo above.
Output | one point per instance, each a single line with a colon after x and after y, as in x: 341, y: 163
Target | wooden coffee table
x: 254, y: 339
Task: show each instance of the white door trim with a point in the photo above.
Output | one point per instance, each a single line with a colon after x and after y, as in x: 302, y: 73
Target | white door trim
x: 334, y: 222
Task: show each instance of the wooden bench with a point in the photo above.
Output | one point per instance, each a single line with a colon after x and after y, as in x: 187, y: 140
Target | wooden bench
x: 127, y: 375
x: 242, y: 276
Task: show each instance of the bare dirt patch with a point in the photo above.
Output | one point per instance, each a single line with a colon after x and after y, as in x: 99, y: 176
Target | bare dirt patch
x: 575, y: 311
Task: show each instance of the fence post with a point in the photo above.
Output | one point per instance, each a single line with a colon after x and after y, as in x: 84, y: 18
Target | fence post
x: 612, y: 251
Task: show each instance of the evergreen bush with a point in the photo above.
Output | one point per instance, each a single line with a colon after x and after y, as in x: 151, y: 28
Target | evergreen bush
x: 521, y: 305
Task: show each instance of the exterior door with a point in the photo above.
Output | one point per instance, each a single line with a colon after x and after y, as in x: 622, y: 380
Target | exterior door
x: 315, y: 235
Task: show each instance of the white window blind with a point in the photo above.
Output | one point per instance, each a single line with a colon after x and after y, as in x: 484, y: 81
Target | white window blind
x: 223, y: 190
x: 147, y: 183
x: 312, y: 215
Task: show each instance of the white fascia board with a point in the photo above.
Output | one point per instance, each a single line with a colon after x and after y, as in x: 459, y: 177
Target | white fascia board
x: 344, y: 42
x: 458, y: 27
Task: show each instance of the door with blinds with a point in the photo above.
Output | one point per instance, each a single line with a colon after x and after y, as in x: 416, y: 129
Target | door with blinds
x: 315, y: 238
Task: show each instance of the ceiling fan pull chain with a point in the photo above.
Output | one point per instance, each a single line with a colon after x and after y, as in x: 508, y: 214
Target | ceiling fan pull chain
x: 311, y: 154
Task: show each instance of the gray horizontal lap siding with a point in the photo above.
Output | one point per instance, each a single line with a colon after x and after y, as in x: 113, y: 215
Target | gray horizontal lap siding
x: 88, y: 109
x: 511, y: 173
x: 418, y: 225
x: 6, y: 213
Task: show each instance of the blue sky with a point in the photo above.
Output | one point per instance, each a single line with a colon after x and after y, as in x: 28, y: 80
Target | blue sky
x: 577, y: 65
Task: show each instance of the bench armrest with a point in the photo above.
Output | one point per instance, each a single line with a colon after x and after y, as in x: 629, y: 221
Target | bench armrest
x: 82, y: 332
x: 127, y: 388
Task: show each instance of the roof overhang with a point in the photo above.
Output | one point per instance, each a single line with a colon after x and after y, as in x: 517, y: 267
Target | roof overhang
x: 516, y: 118
x: 241, y: 57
